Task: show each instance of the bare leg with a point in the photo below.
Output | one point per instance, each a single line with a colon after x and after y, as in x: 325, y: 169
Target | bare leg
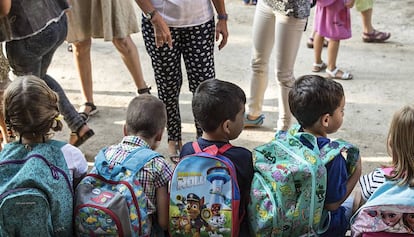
x: 130, y: 56
x: 333, y: 49
x: 367, y: 21
x: 317, y: 47
x: 82, y: 57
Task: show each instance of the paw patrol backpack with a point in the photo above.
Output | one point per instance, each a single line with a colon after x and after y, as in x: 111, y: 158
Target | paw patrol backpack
x: 289, y: 184
x: 110, y: 201
x: 204, y: 195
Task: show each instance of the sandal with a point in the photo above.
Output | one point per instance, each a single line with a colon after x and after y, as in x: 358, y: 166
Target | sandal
x: 175, y: 157
x: 81, y: 139
x: 145, y: 90
x: 309, y: 43
x: 253, y: 122
x: 319, y: 67
x: 85, y: 115
x: 375, y: 37
x: 342, y: 75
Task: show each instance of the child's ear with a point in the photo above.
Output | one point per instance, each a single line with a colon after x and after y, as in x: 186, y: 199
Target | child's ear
x: 158, y: 137
x: 124, y: 128
x: 226, y: 126
x: 325, y: 120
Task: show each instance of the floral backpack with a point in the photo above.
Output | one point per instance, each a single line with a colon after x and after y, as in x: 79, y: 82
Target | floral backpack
x: 289, y: 184
x: 110, y: 201
x: 388, y: 212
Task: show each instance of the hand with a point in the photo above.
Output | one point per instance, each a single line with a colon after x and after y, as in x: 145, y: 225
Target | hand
x: 162, y: 32
x: 221, y: 29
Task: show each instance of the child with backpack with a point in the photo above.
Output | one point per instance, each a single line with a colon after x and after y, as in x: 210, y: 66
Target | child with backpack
x: 387, y: 192
x: 318, y: 105
x: 37, y: 174
x: 131, y: 169
x: 218, y: 107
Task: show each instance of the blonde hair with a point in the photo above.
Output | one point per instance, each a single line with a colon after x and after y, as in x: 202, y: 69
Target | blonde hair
x: 30, y: 107
x: 401, y: 145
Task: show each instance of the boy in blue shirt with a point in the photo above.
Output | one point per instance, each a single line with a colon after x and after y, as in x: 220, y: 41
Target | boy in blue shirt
x: 318, y: 105
x: 218, y: 107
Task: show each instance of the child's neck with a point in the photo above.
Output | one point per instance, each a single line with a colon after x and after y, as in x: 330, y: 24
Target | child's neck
x: 32, y: 140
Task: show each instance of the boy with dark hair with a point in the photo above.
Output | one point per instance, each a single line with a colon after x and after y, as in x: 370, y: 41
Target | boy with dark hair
x: 218, y: 107
x: 145, y: 124
x: 318, y: 105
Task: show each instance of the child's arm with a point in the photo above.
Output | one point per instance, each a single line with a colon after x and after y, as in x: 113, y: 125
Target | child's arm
x: 350, y: 184
x: 163, y: 206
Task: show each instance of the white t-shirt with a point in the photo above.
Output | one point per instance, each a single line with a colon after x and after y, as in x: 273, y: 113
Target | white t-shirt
x: 77, y: 164
x: 184, y: 13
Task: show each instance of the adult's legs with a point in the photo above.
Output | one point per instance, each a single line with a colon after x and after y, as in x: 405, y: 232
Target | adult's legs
x: 263, y: 40
x: 369, y: 34
x: 82, y: 58
x: 32, y: 56
x: 200, y: 66
x: 288, y: 34
x: 166, y: 64
x: 130, y: 56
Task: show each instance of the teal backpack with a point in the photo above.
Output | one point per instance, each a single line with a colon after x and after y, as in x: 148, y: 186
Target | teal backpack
x: 289, y: 184
x: 36, y: 194
x: 110, y: 201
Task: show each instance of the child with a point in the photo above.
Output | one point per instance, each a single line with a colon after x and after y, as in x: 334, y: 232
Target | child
x: 333, y: 21
x: 218, y: 107
x: 142, y: 130
x: 30, y: 109
x: 318, y: 105
x: 401, y: 149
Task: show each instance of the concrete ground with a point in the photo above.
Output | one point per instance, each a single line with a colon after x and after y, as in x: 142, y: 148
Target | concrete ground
x: 382, y: 81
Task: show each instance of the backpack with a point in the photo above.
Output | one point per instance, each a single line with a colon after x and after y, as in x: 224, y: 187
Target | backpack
x: 388, y: 212
x: 289, y: 184
x: 110, y: 201
x: 204, y: 195
x: 36, y: 193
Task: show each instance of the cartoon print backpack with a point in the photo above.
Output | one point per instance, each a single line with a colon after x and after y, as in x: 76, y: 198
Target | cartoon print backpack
x: 388, y: 212
x: 35, y: 190
x: 204, y: 195
x: 289, y: 184
x: 110, y: 201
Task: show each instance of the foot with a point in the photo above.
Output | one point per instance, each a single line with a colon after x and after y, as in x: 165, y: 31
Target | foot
x: 339, y: 74
x: 375, y: 36
x: 250, y: 121
x: 174, y: 149
x: 319, y: 67
x: 86, y: 110
x: 79, y: 137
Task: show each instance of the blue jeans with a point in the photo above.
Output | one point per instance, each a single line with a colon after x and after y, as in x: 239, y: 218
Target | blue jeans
x: 33, y: 55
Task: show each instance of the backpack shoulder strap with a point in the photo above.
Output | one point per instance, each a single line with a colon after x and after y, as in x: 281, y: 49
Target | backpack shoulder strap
x: 212, y: 150
x: 338, y: 146
x: 134, y: 162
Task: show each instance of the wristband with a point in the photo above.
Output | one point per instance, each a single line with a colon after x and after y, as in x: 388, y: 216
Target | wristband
x: 222, y: 16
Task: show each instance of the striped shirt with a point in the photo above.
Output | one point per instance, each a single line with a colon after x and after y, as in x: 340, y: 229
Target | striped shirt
x: 155, y: 174
x: 370, y: 182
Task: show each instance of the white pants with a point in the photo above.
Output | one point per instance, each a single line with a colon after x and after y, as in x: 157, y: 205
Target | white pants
x: 271, y: 28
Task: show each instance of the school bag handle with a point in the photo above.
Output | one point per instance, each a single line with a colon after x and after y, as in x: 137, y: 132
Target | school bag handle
x: 141, y: 156
x: 212, y: 150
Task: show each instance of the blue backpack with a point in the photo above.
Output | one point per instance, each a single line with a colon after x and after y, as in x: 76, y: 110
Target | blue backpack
x: 36, y: 194
x: 289, y: 184
x: 110, y: 201
x: 204, y: 195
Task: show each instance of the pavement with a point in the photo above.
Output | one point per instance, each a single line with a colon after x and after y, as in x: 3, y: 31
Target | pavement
x: 382, y: 81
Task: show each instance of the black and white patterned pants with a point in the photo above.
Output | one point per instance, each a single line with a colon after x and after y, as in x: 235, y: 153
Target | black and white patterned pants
x: 196, y: 46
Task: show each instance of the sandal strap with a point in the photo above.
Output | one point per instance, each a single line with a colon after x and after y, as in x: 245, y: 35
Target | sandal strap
x: 90, y: 104
x: 144, y: 90
x: 333, y: 72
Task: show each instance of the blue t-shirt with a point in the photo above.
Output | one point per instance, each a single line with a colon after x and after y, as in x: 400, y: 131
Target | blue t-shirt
x: 337, y: 177
x: 242, y: 160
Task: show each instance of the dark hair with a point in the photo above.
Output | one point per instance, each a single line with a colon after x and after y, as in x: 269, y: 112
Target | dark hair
x: 146, y: 115
x: 30, y: 107
x: 313, y: 96
x: 216, y: 101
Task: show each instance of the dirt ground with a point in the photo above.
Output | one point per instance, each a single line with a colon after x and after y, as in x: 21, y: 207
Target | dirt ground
x: 382, y: 81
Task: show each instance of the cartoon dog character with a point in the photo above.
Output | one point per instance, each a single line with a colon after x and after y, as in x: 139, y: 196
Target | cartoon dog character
x: 195, y: 205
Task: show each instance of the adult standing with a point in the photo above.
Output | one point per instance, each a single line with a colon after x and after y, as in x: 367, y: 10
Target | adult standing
x: 33, y: 30
x: 175, y: 29
x: 280, y: 24
x: 112, y: 20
